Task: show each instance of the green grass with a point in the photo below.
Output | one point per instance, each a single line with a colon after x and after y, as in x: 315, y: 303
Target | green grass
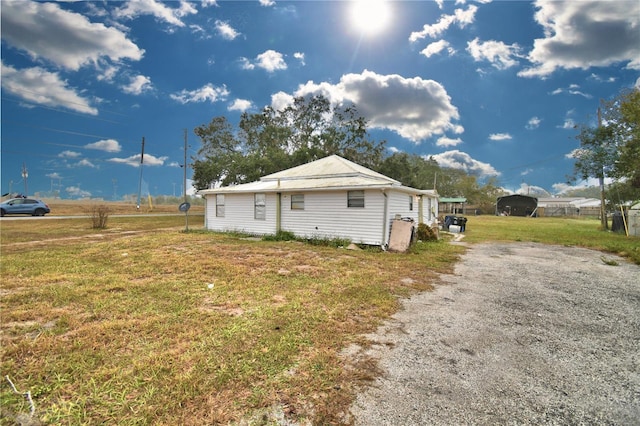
x: 562, y: 231
x: 143, y: 323
x: 168, y: 327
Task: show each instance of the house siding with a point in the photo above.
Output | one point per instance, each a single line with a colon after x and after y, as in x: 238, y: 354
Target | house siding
x: 326, y: 215
x: 239, y: 215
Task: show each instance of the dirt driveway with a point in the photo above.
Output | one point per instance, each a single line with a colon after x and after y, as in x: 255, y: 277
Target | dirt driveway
x: 522, y: 333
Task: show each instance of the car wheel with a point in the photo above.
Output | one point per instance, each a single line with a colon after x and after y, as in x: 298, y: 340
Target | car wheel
x: 2, y: 212
x: 39, y: 212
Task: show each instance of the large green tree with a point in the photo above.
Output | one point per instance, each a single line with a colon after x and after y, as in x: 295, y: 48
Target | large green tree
x: 611, y: 149
x: 595, y: 158
x: 273, y: 140
x: 623, y: 115
x: 411, y: 170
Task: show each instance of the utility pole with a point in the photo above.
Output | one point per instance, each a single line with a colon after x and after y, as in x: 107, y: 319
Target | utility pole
x: 185, y: 205
x: 140, y: 180
x: 603, y: 211
x: 185, y: 165
x: 25, y: 176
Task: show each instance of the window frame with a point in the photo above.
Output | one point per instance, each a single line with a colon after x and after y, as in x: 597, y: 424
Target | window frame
x: 355, y: 199
x: 297, y: 201
x: 220, y: 207
x: 260, y: 206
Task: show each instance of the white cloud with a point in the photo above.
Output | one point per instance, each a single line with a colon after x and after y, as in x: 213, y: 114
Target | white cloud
x: 267, y: 3
x: 107, y: 72
x: 563, y: 187
x: 445, y: 141
x: 271, y: 61
x: 526, y: 172
x: 460, y: 17
x: 500, y: 137
x: 53, y: 175
x: 281, y: 100
x: 43, y: 88
x: 138, y: 85
x: 462, y: 161
x: 208, y: 92
x: 532, y: 190
x: 132, y: 9
x: 85, y: 163
x: 599, y: 78
x: 65, y: 38
x: 225, y: 30
x: 299, y: 56
x: 572, y: 90
x: 75, y: 191
x: 106, y: 145
x: 499, y: 54
x: 533, y: 123
x: 240, y: 105
x: 69, y: 154
x: 246, y: 64
x: 134, y: 160
x: 568, y: 124
x: 437, y: 47
x: 414, y: 108
x: 584, y: 34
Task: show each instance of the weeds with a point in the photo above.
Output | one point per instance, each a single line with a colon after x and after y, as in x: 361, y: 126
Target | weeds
x: 314, y: 241
x: 100, y: 216
x: 124, y: 328
x: 127, y: 329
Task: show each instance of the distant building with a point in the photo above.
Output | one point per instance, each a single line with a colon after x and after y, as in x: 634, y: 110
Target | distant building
x: 452, y: 205
x: 516, y: 205
x: 568, y: 206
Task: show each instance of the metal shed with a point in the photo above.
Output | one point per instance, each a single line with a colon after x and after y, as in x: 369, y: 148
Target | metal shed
x: 516, y: 205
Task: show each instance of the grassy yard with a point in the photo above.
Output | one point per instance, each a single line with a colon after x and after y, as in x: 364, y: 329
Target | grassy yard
x: 561, y: 231
x: 143, y: 323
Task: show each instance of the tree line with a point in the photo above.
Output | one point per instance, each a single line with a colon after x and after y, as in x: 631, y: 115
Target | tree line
x: 610, y: 150
x: 311, y: 128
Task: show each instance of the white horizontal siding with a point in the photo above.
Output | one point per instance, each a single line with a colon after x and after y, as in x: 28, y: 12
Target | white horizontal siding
x: 239, y: 215
x: 399, y: 205
x: 326, y: 215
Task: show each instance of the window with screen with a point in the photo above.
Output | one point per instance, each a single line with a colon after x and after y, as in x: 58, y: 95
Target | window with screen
x: 220, y: 205
x: 260, y: 206
x: 297, y: 202
x: 355, y: 198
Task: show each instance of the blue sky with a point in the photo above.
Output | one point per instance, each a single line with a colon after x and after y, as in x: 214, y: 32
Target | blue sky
x: 493, y: 88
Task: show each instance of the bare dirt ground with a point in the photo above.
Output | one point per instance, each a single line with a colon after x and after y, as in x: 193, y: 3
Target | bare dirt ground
x: 521, y: 333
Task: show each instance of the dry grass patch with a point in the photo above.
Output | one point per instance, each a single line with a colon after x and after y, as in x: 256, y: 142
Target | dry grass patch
x: 168, y: 327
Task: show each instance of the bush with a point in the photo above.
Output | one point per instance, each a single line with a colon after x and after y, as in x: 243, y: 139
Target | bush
x: 280, y: 236
x: 426, y: 233
x: 99, y: 216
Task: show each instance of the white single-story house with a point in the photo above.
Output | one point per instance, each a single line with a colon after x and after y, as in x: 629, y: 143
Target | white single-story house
x: 328, y: 198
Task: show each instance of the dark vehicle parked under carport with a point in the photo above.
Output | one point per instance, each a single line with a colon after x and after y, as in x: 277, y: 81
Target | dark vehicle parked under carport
x: 24, y: 206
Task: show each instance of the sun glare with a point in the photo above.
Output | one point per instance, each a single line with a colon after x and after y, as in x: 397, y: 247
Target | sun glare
x: 370, y: 16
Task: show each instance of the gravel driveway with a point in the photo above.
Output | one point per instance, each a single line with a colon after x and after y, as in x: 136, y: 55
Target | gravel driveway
x: 521, y: 333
